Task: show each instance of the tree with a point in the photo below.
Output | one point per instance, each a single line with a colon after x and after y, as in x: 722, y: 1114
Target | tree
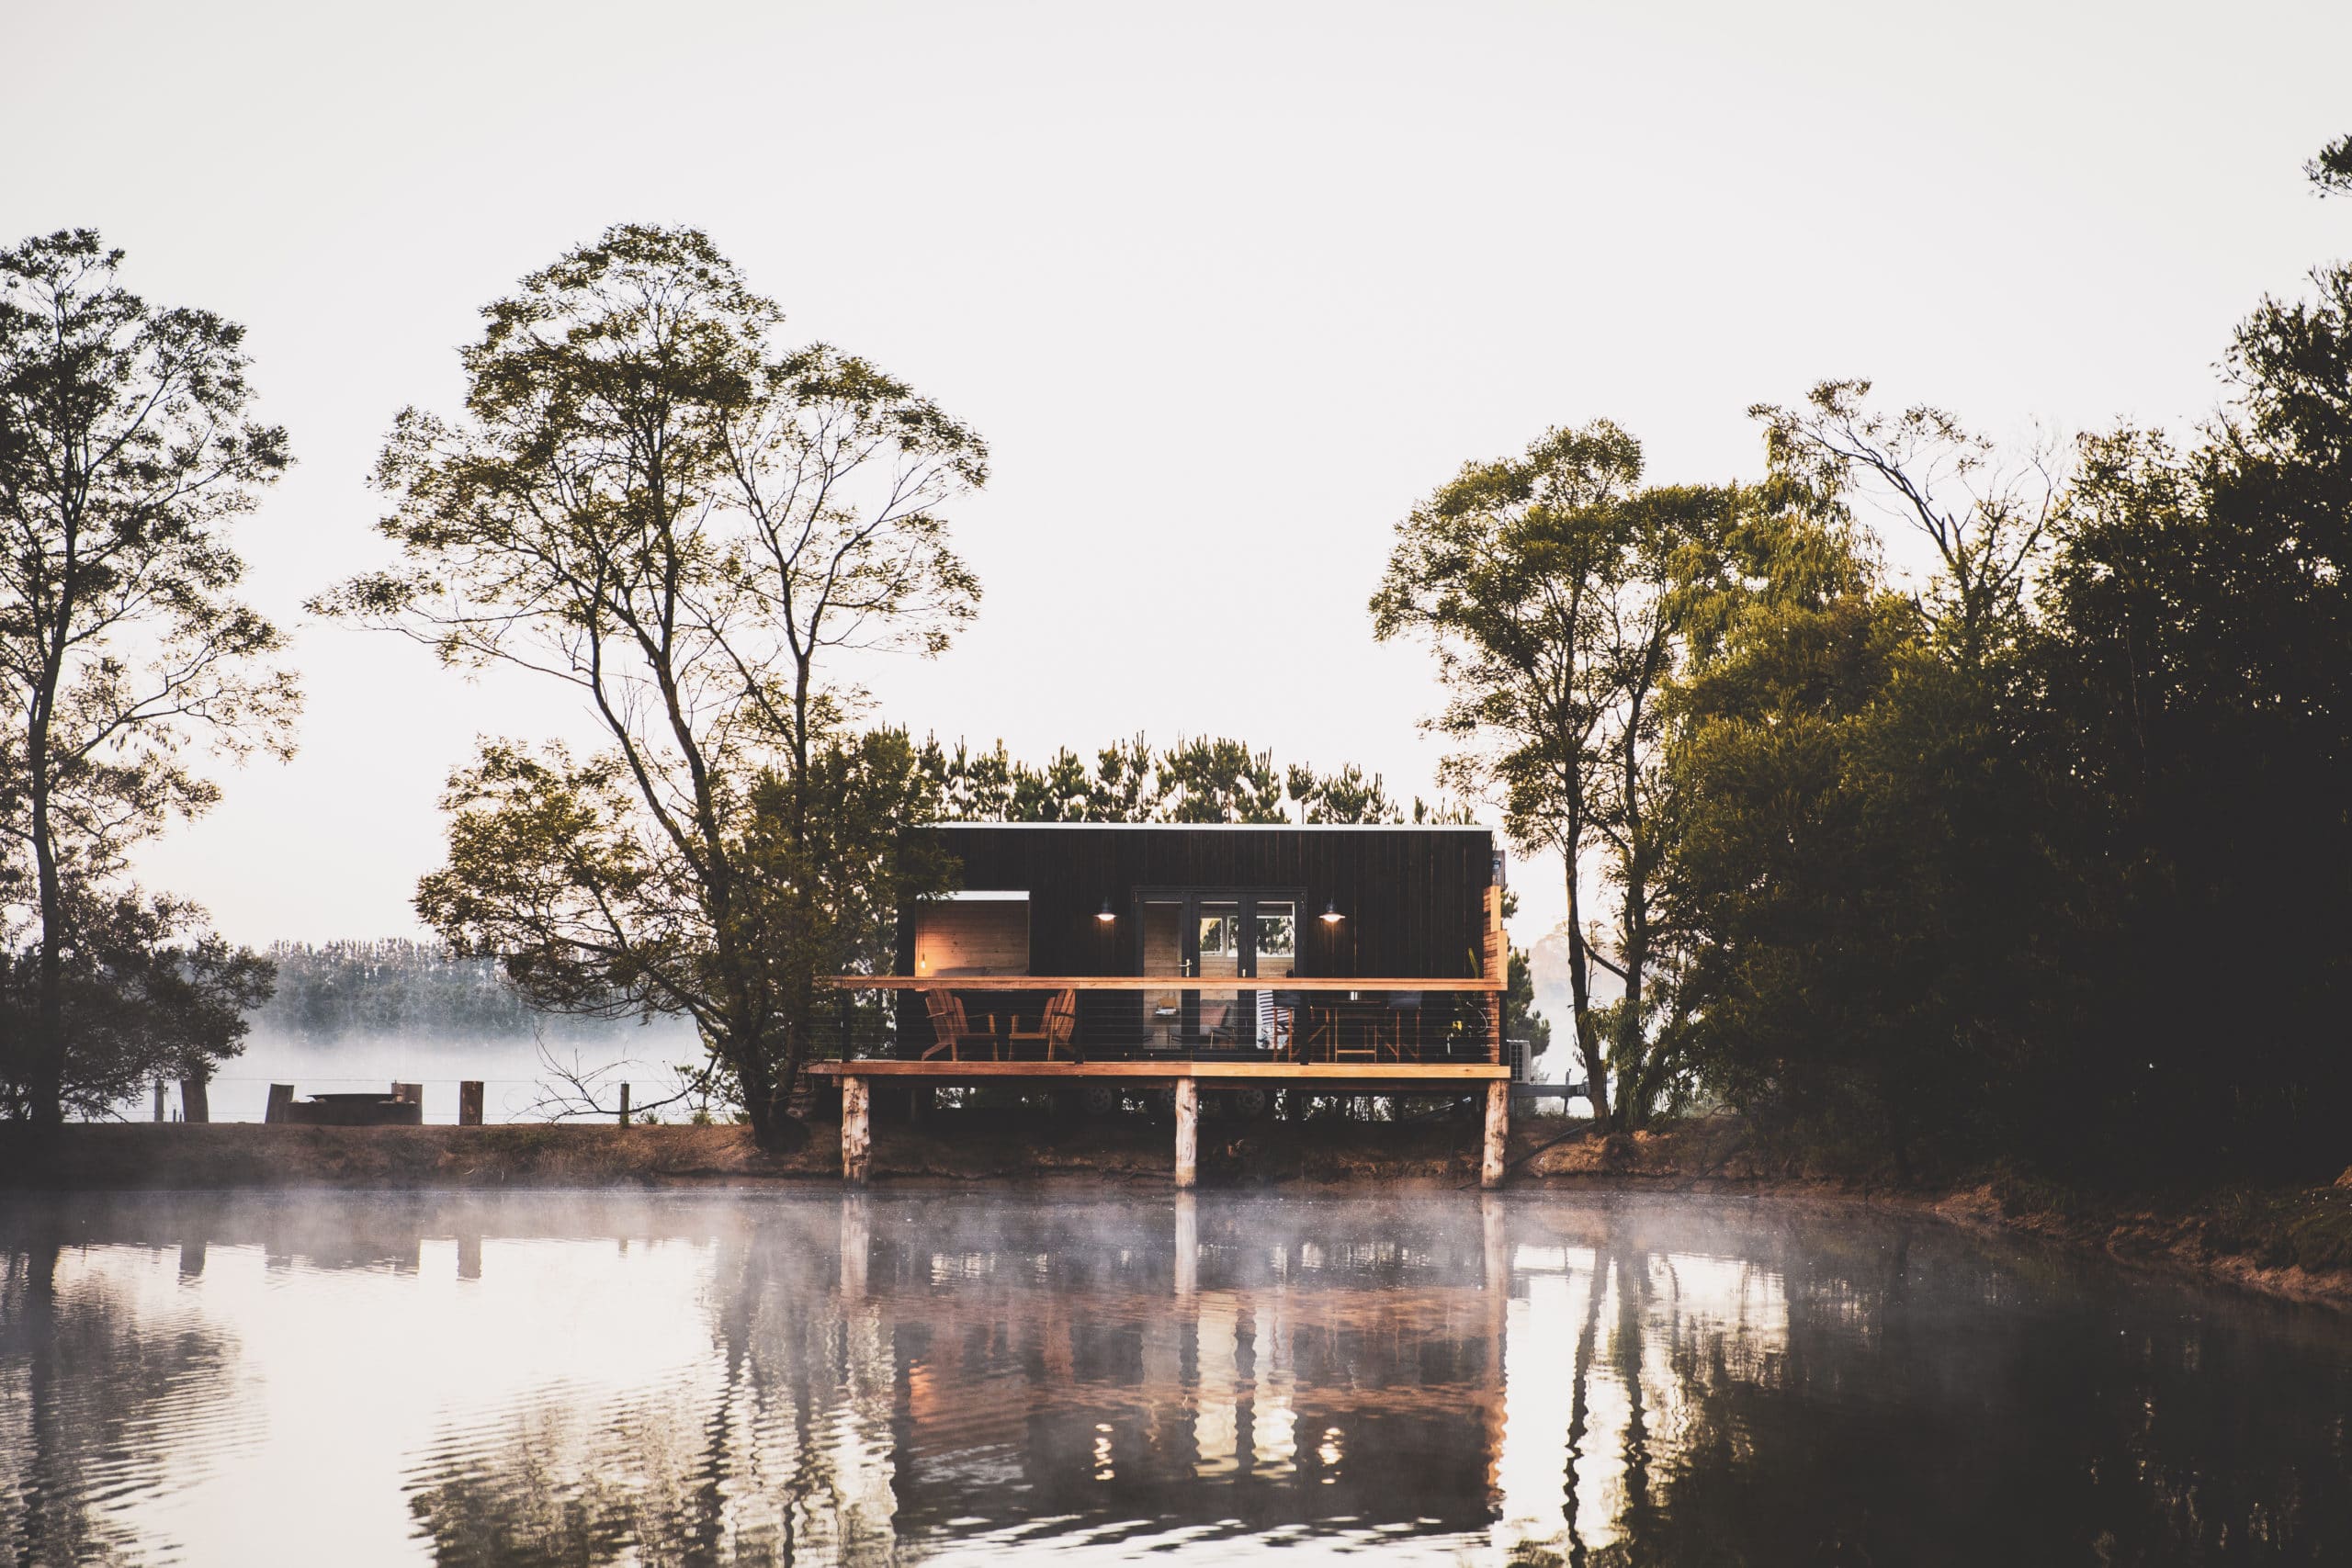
x: 125, y: 453
x: 2331, y: 169
x: 1987, y: 515
x: 148, y: 994
x: 651, y: 504
x: 2197, y: 657
x: 1548, y: 586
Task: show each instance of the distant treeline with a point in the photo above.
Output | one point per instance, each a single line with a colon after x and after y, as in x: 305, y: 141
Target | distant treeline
x: 328, y: 990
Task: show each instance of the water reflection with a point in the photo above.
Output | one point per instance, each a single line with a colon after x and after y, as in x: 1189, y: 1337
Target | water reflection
x: 758, y: 1379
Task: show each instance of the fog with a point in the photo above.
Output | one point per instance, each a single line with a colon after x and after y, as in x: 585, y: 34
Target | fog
x: 949, y: 1376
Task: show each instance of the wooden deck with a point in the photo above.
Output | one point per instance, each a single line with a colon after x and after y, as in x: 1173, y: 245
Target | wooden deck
x: 1490, y: 1080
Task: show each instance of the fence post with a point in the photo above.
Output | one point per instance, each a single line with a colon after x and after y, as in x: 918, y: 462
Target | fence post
x: 469, y: 1102
x: 281, y: 1100
x: 159, y: 1099
x: 195, y: 1100
x: 624, y: 1105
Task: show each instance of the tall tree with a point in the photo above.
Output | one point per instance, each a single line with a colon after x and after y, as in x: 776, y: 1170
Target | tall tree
x: 1986, y: 513
x: 1548, y: 587
x: 126, y: 452
x: 1503, y: 571
x: 648, y: 503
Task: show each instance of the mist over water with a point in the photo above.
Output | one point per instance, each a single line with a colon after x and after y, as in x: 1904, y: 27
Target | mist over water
x: 756, y: 1378
x: 514, y: 1075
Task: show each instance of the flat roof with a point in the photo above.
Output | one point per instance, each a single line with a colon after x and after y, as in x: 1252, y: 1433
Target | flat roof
x: 1235, y: 827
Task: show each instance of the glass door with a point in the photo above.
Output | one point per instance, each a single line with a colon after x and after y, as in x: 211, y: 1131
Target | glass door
x: 1214, y: 939
x: 1163, y: 935
x: 1218, y: 937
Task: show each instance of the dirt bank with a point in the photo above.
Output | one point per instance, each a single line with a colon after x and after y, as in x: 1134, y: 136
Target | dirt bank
x: 2295, y: 1243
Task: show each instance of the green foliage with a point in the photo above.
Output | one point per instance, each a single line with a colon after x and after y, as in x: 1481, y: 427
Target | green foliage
x: 125, y: 454
x: 2046, y: 860
x: 2331, y: 170
x: 1195, y: 781
x: 1557, y: 599
x: 654, y: 505
x: 1521, y: 1021
x: 148, y: 994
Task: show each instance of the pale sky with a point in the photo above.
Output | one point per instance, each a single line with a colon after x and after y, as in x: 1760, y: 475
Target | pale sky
x: 1227, y: 287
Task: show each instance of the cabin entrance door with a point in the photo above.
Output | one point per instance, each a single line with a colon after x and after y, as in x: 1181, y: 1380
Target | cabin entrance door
x: 1208, y: 935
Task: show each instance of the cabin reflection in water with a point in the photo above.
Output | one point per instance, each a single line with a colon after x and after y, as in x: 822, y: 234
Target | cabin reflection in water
x: 797, y: 1380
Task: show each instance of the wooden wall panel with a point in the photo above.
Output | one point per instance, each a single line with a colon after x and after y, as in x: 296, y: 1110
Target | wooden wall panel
x: 976, y: 938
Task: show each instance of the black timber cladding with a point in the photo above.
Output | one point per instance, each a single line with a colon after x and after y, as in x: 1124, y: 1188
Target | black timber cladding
x: 1413, y: 899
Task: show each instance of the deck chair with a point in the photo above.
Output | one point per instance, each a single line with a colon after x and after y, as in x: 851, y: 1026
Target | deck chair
x: 949, y: 1026
x: 1055, y: 1027
x: 1404, y: 1016
x: 1285, y: 1031
x: 1365, y: 1046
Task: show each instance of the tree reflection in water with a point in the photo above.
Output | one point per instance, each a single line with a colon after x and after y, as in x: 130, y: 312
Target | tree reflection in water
x: 1660, y: 1381
x: 99, y: 1368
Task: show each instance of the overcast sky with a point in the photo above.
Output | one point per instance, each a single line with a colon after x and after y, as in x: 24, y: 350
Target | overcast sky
x: 1226, y: 288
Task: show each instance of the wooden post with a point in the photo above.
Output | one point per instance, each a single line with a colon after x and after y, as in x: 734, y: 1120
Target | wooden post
x: 624, y: 1105
x: 281, y: 1100
x: 1490, y: 1167
x: 469, y: 1102
x: 195, y: 1100
x: 159, y: 1099
x: 857, y: 1142
x: 1188, y: 1132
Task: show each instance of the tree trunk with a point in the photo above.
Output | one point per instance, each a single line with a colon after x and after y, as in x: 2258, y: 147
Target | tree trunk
x: 46, y: 1090
x: 1596, y: 1070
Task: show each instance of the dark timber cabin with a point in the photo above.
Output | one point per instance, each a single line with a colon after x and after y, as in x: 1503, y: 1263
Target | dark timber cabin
x: 1348, y: 959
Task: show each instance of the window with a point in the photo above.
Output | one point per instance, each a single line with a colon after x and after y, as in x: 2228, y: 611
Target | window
x: 1277, y: 932
x: 1220, y: 936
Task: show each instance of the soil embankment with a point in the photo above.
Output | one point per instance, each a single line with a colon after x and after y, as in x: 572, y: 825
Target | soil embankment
x: 2294, y: 1243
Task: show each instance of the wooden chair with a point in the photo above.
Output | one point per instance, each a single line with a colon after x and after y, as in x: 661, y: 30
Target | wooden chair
x: 1055, y: 1027
x: 949, y: 1026
x: 1365, y: 1046
x: 1284, y: 1032
x: 1404, y: 1013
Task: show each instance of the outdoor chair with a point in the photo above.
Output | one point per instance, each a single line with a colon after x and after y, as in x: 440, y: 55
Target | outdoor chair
x: 1404, y: 1013
x: 950, y: 1027
x: 1055, y: 1025
x: 1285, y: 1026
x: 1361, y: 1044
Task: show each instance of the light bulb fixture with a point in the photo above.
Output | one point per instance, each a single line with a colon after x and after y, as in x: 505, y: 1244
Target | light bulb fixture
x: 1331, y: 912
x: 1106, y: 914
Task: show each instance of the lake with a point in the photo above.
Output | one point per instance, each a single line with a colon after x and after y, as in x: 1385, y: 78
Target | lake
x: 754, y: 1377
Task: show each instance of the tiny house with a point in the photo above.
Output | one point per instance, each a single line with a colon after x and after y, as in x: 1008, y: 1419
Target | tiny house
x: 1344, y: 959
x: 1278, y: 943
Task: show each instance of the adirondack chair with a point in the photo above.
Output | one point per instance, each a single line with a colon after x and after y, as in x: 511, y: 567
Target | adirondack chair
x: 950, y: 1028
x: 1055, y: 1027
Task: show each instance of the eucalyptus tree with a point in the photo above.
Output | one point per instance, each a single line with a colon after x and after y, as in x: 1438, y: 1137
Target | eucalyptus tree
x: 126, y: 452
x: 1987, y: 513
x: 1547, y: 586
x: 651, y: 503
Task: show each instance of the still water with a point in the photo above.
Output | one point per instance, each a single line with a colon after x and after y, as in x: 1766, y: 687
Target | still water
x: 755, y: 1378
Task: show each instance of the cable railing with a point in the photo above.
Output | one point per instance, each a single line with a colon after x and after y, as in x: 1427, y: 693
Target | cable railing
x: 1095, y: 1017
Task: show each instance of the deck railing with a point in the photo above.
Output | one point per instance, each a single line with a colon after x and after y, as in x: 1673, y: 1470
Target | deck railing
x: 1160, y: 1017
